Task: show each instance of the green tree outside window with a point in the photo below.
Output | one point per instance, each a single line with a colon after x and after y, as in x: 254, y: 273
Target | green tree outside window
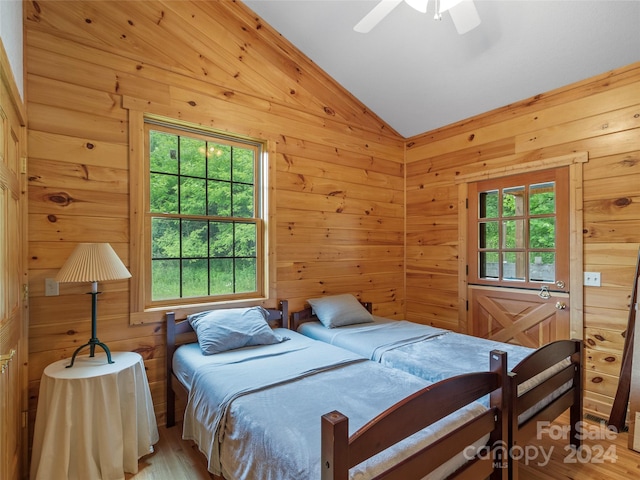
x: 204, y: 213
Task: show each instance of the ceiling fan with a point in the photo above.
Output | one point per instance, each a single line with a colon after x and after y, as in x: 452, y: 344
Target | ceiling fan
x: 463, y: 13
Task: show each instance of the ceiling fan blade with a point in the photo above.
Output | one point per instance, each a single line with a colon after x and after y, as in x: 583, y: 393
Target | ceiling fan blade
x: 465, y: 16
x: 372, y: 18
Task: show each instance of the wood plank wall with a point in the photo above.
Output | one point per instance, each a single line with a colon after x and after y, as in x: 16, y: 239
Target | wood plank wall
x: 339, y: 169
x: 600, y: 116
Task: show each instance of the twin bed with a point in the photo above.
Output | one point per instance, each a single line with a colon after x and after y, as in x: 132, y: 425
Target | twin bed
x: 302, y: 409
x: 544, y: 382
x: 286, y: 406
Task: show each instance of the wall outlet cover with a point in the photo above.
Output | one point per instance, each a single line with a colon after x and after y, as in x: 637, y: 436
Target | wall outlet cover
x: 591, y: 279
x: 51, y: 288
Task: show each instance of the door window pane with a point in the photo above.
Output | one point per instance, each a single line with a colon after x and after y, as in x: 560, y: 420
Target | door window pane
x: 513, y: 202
x: 488, y: 204
x: 519, y: 231
x: 542, y: 266
x: 543, y: 232
x: 513, y: 266
x: 488, y: 235
x: 542, y: 198
x: 513, y: 234
x: 489, y: 265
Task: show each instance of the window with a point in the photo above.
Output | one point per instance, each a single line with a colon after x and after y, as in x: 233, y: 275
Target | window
x: 518, y: 230
x: 204, y: 216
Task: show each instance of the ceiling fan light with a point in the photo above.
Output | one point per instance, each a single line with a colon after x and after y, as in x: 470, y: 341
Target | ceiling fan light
x: 419, y: 5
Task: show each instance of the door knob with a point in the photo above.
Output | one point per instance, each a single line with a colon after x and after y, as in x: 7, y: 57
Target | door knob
x: 561, y: 305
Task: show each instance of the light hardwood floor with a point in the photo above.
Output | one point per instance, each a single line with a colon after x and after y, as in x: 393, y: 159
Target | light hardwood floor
x: 173, y: 459
x: 601, y: 458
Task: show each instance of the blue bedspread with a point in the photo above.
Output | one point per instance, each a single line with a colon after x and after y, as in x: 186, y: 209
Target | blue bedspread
x: 258, y: 417
x: 429, y: 352
x: 450, y: 354
x: 215, y: 386
x: 373, y: 340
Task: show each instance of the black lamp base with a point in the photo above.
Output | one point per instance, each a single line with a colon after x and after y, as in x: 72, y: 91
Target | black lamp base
x: 92, y: 349
x: 93, y: 341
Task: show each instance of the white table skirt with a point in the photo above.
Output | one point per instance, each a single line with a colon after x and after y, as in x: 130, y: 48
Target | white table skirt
x: 94, y: 420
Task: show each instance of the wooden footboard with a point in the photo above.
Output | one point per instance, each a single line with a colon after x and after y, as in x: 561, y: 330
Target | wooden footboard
x: 341, y: 452
x: 543, y: 358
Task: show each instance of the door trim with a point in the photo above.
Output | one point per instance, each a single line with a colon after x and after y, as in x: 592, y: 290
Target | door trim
x: 14, y: 332
x: 575, y: 162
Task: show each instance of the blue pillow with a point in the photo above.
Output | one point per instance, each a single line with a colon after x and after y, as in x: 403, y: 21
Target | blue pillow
x: 228, y: 329
x: 339, y: 310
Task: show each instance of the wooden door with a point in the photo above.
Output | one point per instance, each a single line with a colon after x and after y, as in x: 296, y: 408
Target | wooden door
x: 13, y: 322
x: 518, y: 316
x: 518, y: 271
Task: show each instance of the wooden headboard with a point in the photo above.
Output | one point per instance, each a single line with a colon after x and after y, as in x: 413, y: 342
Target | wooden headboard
x: 179, y: 332
x: 306, y: 315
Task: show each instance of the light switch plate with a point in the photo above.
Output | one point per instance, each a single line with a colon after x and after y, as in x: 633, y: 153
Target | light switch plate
x: 591, y: 279
x: 51, y: 287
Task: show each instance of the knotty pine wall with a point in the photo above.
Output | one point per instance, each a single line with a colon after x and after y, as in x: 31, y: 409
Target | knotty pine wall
x: 339, y: 171
x: 600, y: 116
x: 339, y: 182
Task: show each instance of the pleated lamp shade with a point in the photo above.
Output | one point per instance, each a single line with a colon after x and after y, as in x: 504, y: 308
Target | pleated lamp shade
x: 92, y: 262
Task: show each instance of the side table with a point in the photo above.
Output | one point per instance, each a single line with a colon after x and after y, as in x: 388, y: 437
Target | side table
x: 94, y: 420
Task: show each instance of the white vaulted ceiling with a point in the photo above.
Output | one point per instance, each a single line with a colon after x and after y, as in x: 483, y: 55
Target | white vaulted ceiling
x: 418, y: 74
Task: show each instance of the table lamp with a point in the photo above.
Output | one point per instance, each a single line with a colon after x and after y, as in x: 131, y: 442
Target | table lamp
x: 92, y: 262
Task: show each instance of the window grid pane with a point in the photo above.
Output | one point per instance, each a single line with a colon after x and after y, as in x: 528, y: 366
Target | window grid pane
x: 204, y: 257
x: 203, y: 214
x: 519, y: 243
